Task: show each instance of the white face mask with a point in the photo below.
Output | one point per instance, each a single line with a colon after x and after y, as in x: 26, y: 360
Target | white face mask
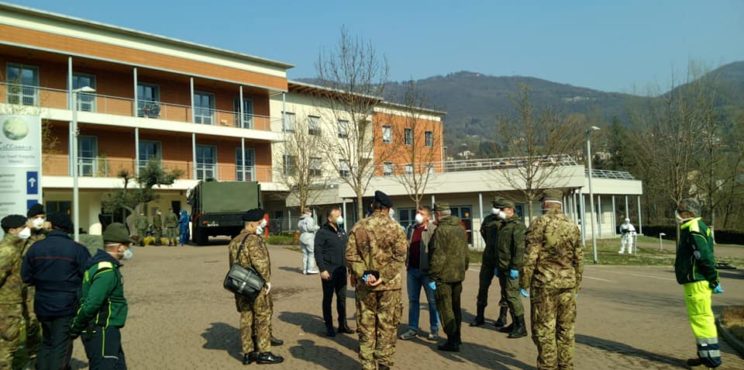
x: 38, y: 223
x: 259, y: 230
x: 419, y: 218
x: 25, y: 233
x: 501, y: 215
x: 340, y: 220
x: 494, y: 211
x: 263, y: 224
x: 391, y: 213
x: 128, y: 254
x: 678, y: 218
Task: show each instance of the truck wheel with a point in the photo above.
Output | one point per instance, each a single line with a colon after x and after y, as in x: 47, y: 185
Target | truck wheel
x: 200, y: 236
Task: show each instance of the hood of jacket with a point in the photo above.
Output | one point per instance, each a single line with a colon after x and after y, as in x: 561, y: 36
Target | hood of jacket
x: 101, y: 256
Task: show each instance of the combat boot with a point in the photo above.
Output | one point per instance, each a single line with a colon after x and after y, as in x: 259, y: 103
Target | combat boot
x: 510, y: 327
x: 519, y: 329
x: 269, y: 358
x: 479, y: 318
x: 501, y: 322
x: 344, y: 328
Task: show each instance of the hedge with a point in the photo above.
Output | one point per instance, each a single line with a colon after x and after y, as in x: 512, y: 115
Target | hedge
x: 722, y: 236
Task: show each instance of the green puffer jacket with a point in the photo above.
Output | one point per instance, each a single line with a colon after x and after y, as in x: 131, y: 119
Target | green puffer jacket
x: 510, y: 245
x: 102, y: 303
x: 695, y: 260
x: 449, y: 258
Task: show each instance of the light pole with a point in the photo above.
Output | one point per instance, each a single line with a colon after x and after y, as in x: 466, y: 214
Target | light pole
x: 591, y: 192
x: 75, y: 164
x: 661, y: 245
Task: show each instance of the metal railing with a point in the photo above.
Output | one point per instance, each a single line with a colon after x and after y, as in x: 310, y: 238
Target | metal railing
x: 608, y: 174
x: 45, y: 97
x: 474, y: 164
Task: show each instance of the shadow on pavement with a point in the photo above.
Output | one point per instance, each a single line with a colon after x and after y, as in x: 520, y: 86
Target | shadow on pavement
x: 223, y: 337
x: 314, y: 325
x: 626, y: 350
x: 731, y: 274
x: 327, y: 357
x: 487, y: 357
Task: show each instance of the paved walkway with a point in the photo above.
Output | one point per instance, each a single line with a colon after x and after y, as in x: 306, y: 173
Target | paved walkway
x: 181, y: 318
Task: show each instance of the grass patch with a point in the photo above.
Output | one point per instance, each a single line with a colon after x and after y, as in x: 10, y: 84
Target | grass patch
x: 281, y: 240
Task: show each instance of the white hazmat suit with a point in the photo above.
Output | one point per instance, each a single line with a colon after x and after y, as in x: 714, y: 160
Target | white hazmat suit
x: 628, y: 238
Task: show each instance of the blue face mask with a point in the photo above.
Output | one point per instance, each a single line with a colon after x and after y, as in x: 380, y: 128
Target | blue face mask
x: 128, y: 254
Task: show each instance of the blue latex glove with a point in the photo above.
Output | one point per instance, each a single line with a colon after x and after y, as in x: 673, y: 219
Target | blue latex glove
x: 432, y: 285
x: 495, y: 271
x: 718, y: 289
x: 524, y: 293
x: 514, y: 274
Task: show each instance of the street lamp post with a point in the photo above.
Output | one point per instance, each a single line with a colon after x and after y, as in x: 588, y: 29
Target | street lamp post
x: 591, y: 192
x: 75, y: 164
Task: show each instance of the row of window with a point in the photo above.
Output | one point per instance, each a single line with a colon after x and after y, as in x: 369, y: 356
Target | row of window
x: 206, y: 158
x: 23, y: 84
x: 387, y: 136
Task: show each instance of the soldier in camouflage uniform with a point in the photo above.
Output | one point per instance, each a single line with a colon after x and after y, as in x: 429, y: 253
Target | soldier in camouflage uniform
x: 510, y: 253
x: 11, y: 290
x: 39, y: 228
x: 255, y: 314
x: 157, y: 226
x: 377, y: 245
x: 552, y: 270
x: 171, y: 228
x: 489, y: 231
x: 141, y: 224
x: 449, y: 261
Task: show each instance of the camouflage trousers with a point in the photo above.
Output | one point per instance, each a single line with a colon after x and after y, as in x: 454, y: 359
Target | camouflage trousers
x: 33, y: 327
x: 11, y: 323
x: 378, y: 316
x: 553, y: 319
x: 255, y: 321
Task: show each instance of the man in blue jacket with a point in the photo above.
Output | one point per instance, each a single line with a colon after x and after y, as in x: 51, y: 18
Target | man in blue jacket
x: 55, y: 267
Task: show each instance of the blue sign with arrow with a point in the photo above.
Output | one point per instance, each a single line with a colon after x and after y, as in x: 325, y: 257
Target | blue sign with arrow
x: 32, y: 182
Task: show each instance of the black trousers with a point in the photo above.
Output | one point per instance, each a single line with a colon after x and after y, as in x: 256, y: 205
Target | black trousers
x: 55, y: 351
x: 103, y: 348
x: 336, y: 284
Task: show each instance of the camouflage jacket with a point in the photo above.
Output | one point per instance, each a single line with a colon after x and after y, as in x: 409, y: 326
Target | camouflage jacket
x: 254, y: 254
x: 490, y: 231
x: 510, y: 245
x: 450, y: 257
x: 141, y: 222
x: 11, y: 284
x: 171, y: 220
x: 377, y: 243
x: 554, y: 258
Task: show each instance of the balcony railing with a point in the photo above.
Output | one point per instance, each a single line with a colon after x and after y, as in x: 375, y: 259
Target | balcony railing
x: 473, y: 165
x: 44, y: 97
x: 607, y: 174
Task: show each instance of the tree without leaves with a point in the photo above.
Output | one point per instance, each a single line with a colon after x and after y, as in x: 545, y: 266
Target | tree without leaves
x: 355, y: 77
x: 301, y: 169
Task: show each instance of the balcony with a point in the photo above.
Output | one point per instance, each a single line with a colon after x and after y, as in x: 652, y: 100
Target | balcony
x: 103, y: 167
x: 44, y: 97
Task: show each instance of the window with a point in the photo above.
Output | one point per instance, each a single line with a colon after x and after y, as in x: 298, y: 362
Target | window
x: 343, y: 128
x: 86, y: 102
x: 247, y: 112
x: 203, y: 108
x: 148, y: 100
x: 149, y: 150
x: 387, y: 169
x: 406, y: 218
x: 87, y: 155
x: 408, y: 136
x: 343, y: 168
x: 206, y: 162
x: 250, y: 155
x: 313, y: 125
x: 387, y: 134
x: 409, y: 169
x: 289, y: 122
x: 465, y: 214
x: 63, y: 206
x: 289, y: 165
x: 23, y: 84
x: 316, y: 166
x: 429, y: 138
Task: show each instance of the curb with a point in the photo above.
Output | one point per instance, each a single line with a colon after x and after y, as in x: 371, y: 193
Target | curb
x: 735, y: 343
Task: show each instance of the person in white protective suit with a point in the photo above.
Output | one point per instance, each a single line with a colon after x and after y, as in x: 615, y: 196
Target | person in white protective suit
x: 628, y: 237
x: 308, y: 227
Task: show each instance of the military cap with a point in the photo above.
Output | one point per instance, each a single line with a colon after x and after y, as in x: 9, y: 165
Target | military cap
x: 13, y: 221
x: 117, y: 233
x: 61, y: 221
x: 383, y: 199
x: 552, y: 195
x: 689, y: 205
x: 506, y: 203
x: 253, y: 215
x: 441, y: 206
x: 496, y: 202
x: 35, y: 210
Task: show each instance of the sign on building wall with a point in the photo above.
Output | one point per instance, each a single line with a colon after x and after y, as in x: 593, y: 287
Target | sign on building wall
x: 20, y: 163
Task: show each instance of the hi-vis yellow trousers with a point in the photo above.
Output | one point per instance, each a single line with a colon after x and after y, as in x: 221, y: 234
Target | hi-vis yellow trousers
x: 702, y: 321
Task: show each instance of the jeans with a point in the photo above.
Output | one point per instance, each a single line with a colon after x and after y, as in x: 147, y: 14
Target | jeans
x: 417, y: 279
x: 56, y: 345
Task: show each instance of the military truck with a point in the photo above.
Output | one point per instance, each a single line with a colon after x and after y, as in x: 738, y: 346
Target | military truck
x: 217, y: 207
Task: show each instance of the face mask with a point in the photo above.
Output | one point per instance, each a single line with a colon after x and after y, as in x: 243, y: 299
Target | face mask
x: 678, y: 218
x: 25, y: 233
x: 419, y: 219
x: 38, y: 223
x: 340, y: 220
x: 263, y: 224
x: 501, y: 215
x: 259, y: 230
x: 494, y: 211
x: 391, y: 213
x: 128, y: 254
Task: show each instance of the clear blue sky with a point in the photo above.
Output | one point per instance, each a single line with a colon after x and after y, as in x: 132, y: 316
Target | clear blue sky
x: 609, y: 45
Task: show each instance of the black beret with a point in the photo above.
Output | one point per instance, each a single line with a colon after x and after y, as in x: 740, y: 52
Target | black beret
x: 35, y: 210
x: 383, y: 199
x: 253, y: 215
x: 13, y: 221
x: 61, y: 221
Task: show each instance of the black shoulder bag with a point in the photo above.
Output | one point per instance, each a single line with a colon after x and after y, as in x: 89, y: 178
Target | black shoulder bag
x: 244, y: 281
